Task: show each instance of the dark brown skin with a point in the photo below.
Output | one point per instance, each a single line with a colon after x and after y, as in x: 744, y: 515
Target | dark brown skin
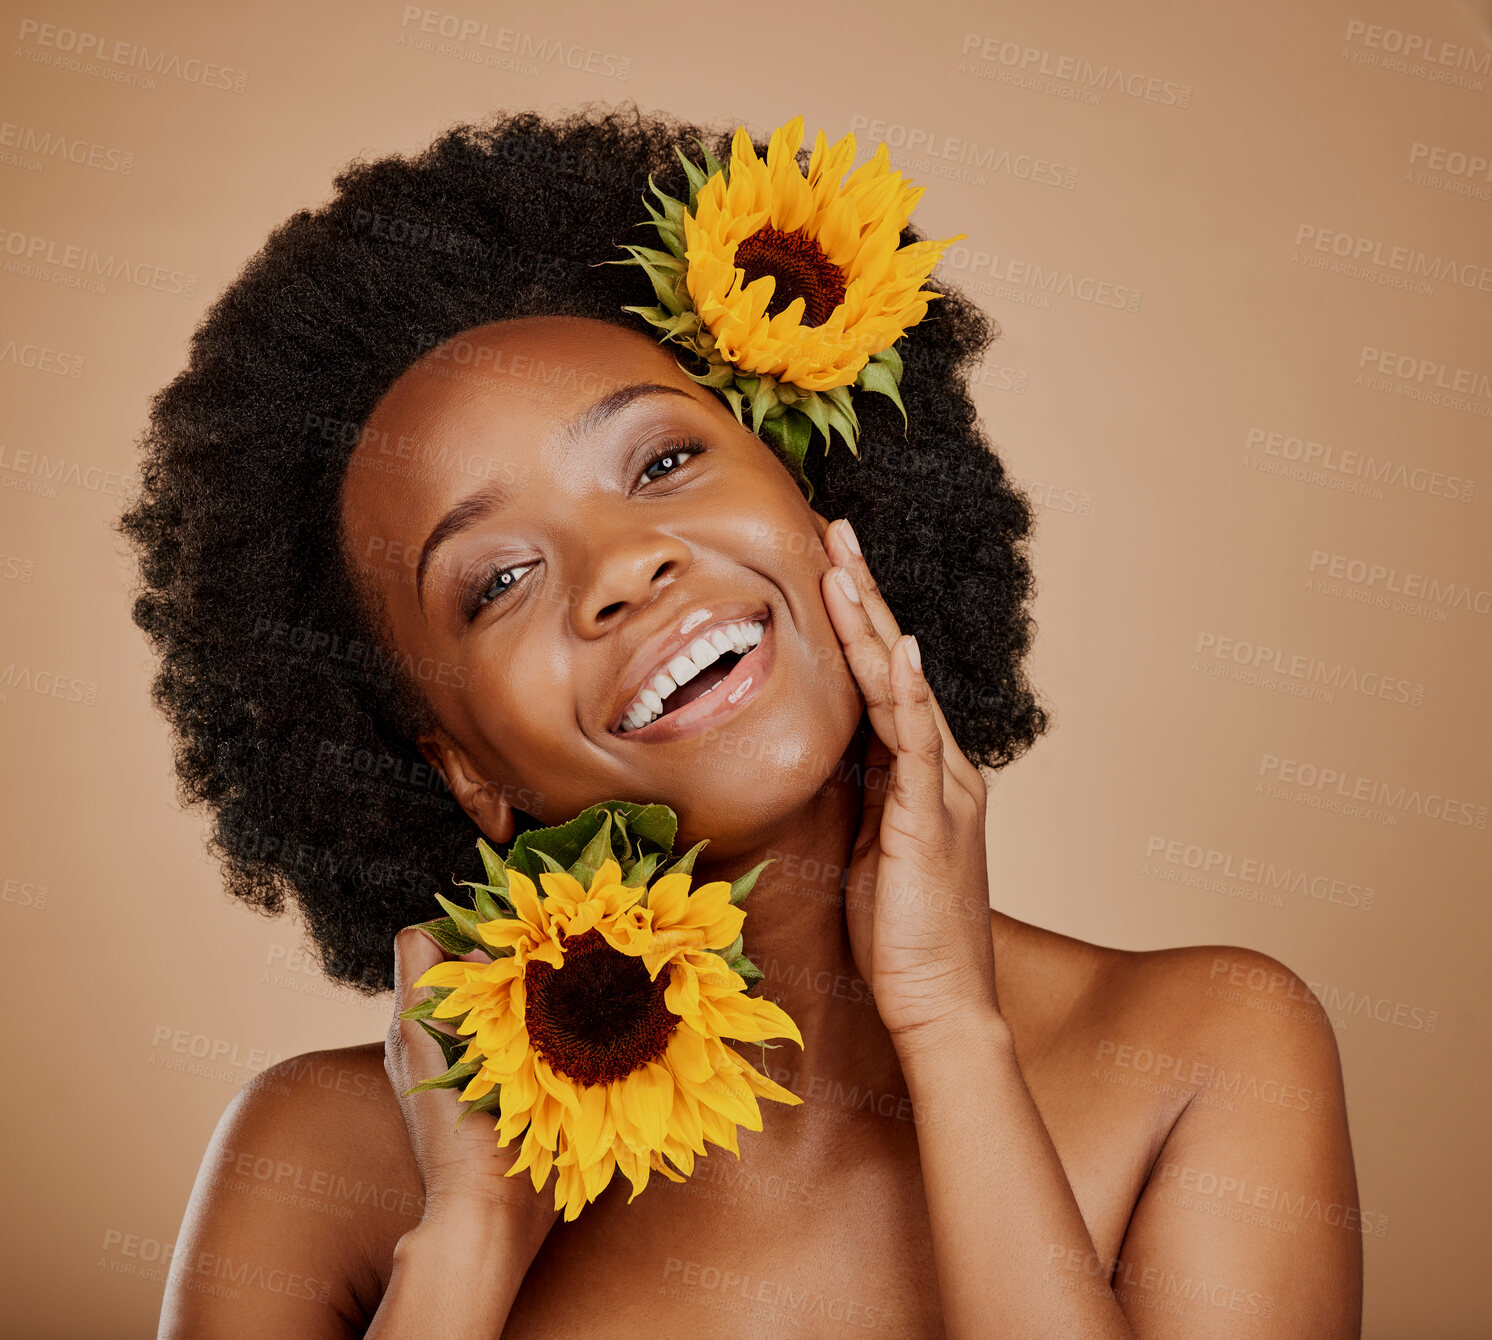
x: 1034, y: 1060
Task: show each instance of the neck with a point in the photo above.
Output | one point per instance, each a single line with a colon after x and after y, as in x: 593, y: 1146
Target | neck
x: 796, y: 934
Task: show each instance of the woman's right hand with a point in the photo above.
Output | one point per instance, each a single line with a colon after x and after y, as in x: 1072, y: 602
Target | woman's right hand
x: 464, y: 1171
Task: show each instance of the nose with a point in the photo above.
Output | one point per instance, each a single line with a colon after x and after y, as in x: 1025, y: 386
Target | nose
x: 629, y: 568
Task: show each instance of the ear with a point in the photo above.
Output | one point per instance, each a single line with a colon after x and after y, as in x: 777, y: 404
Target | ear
x: 486, y: 804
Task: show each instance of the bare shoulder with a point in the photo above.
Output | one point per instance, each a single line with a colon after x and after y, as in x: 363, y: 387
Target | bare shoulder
x: 1173, y: 1014
x: 306, y: 1184
x: 1208, y: 1077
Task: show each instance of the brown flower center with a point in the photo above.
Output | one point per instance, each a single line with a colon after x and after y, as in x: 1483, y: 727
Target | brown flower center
x: 598, y: 1018
x: 801, y: 269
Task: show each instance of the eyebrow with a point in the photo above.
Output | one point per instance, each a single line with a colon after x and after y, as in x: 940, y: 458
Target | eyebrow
x: 493, y: 496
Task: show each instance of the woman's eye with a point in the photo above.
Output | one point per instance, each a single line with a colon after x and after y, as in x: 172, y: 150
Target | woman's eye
x: 671, y: 459
x: 499, y: 584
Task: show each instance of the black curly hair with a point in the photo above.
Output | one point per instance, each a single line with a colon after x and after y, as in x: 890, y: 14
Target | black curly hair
x: 295, y: 721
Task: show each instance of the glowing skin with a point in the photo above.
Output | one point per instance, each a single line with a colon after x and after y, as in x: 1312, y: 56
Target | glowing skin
x: 601, y: 564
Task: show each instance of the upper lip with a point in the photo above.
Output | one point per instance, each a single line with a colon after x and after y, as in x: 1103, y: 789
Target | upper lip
x: 652, y: 654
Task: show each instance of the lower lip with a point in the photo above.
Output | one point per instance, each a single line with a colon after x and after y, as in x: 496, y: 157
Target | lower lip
x: 726, y: 699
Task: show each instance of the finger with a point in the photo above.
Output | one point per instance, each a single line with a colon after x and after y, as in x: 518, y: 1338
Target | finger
x: 842, y: 551
x: 415, y: 953
x: 859, y: 893
x: 918, y: 789
x: 864, y: 650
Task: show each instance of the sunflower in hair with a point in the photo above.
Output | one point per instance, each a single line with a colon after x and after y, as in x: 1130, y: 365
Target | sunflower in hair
x: 792, y: 289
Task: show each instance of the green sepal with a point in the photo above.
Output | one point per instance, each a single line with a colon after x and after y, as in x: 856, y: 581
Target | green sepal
x: 427, y: 1006
x: 747, y: 970
x: 712, y: 164
x: 491, y: 904
x: 733, y: 950
x: 486, y: 1103
x: 891, y: 359
x: 597, y: 852
x: 550, y: 864
x: 642, y: 872
x: 466, y: 920
x: 843, y: 425
x: 763, y: 398
x: 493, y: 863
x: 879, y: 377
x: 696, y: 176
x: 685, y: 864
x: 655, y: 825
x: 445, y: 933
x: 739, y: 888
x: 791, y: 431
x: 451, y: 1046
x: 454, y: 1078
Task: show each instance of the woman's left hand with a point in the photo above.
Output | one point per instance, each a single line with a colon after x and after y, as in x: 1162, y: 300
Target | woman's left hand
x: 917, y: 887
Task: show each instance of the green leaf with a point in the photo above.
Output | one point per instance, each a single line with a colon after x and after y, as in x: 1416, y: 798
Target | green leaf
x: 451, y: 1046
x: 741, y: 887
x: 444, y: 932
x: 655, y: 824
x: 454, y: 1078
x: 685, y: 864
x: 879, y: 377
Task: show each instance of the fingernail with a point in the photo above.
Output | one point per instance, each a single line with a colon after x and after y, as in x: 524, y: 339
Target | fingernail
x: 847, y: 583
x: 850, y: 537
x: 914, y: 654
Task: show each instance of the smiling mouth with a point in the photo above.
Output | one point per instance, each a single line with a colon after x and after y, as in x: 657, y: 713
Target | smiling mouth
x: 712, y: 691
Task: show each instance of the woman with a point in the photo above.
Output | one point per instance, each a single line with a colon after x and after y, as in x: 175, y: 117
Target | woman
x: 421, y: 519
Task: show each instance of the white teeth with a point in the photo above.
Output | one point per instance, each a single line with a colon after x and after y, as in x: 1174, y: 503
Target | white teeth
x: 705, y: 650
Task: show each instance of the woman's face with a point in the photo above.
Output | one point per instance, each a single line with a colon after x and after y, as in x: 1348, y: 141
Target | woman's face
x: 551, y: 512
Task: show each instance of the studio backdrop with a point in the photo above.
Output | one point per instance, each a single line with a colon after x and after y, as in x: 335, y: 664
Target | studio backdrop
x: 1241, y: 258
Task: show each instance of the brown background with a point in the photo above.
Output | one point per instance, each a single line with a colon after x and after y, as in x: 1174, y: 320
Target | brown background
x: 1159, y: 525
